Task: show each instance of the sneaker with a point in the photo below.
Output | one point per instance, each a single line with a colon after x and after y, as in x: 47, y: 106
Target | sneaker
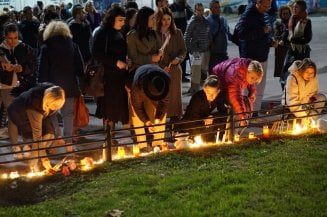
x: 26, y: 148
x: 4, y: 133
x: 15, y: 151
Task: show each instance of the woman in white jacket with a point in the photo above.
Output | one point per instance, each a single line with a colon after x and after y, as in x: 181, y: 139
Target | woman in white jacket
x: 302, y: 88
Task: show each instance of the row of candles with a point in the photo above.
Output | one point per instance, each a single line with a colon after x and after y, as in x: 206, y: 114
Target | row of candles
x: 121, y: 153
x: 265, y: 134
x: 88, y: 163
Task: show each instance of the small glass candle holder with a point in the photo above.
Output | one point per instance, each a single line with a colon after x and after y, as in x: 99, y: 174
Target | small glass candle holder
x: 265, y: 131
x: 251, y: 135
x: 121, y: 152
x: 236, y: 138
x: 164, y: 147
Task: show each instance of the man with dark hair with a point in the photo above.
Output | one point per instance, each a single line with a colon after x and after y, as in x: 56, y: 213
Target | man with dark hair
x: 23, y: 62
x: 29, y: 28
x: 131, y: 4
x: 197, y: 41
x: 219, y: 34
x: 161, y: 4
x: 81, y: 31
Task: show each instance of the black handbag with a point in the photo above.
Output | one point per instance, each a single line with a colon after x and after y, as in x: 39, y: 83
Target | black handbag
x: 94, y: 78
x: 94, y: 75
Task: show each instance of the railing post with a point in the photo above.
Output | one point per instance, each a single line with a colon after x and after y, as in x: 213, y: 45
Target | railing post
x: 229, y: 123
x: 232, y: 127
x: 107, y: 149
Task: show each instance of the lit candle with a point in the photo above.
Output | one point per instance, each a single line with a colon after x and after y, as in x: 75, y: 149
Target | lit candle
x: 164, y: 147
x: 236, y: 138
x: 265, y: 131
x: 294, y: 124
x: 121, y: 152
x: 224, y: 137
x: 251, y: 135
x: 136, y: 150
x: 14, y: 175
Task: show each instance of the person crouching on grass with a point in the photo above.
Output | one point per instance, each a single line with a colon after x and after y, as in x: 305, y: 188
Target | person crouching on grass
x: 199, y: 112
x: 31, y: 112
x: 237, y: 75
x: 302, y: 88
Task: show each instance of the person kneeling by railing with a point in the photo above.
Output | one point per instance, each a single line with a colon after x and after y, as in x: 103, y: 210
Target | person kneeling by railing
x: 201, y: 106
x: 302, y: 88
x: 237, y: 75
x: 31, y: 112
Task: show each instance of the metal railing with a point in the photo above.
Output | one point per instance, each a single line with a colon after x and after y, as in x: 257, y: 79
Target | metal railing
x: 104, y: 142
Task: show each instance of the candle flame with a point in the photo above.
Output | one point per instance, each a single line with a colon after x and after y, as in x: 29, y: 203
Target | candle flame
x: 197, y: 142
x: 14, y: 175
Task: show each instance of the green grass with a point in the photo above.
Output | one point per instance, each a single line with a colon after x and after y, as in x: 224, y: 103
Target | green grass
x: 284, y: 177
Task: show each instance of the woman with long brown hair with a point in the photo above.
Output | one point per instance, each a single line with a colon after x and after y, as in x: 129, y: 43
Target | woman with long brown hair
x: 174, y: 54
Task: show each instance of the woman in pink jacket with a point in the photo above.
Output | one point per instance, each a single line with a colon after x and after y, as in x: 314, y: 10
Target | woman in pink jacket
x: 236, y: 75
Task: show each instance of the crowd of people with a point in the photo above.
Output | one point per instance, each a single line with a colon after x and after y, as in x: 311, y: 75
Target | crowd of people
x: 144, y: 51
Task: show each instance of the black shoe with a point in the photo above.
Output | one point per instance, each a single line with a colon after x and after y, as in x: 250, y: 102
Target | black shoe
x: 185, y: 80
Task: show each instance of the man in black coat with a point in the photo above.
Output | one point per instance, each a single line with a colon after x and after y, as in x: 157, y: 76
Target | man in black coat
x: 254, y: 31
x: 81, y: 31
x: 29, y: 28
x: 23, y: 63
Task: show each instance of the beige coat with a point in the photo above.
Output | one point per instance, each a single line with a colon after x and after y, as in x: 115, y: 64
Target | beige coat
x: 175, y: 48
x: 298, y: 91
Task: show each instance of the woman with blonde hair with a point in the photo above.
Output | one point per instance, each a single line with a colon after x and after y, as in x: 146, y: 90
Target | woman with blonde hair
x: 31, y: 112
x: 237, y: 75
x: 60, y: 62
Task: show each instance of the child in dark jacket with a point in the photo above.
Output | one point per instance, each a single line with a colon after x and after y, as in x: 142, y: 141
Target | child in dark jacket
x: 199, y: 112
